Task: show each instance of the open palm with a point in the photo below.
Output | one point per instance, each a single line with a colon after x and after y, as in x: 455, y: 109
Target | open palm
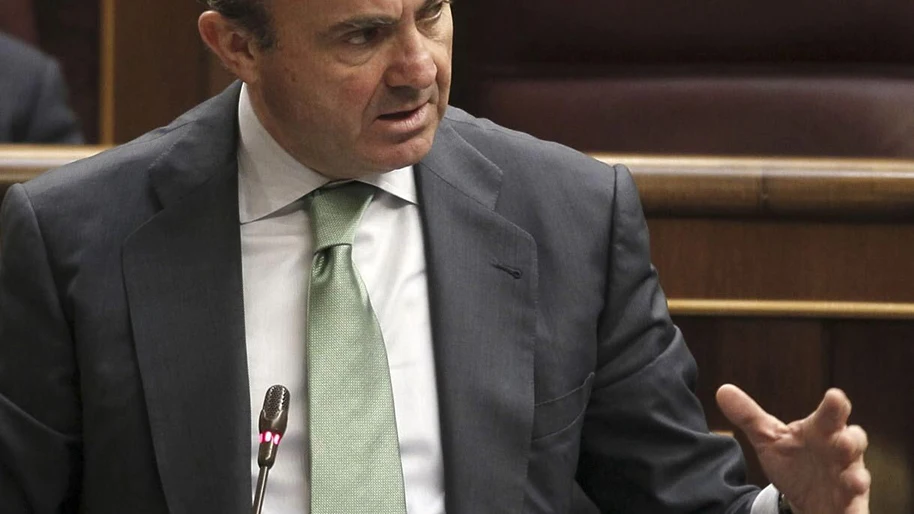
x: 817, y: 462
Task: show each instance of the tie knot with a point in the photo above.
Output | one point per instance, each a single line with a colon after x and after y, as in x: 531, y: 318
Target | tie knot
x: 335, y: 212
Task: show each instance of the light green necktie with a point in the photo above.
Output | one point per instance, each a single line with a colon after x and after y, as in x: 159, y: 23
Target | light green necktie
x: 355, y: 453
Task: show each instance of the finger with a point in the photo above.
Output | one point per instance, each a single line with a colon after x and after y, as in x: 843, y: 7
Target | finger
x: 860, y: 505
x: 850, y: 444
x: 831, y: 415
x: 856, y: 480
x: 746, y: 414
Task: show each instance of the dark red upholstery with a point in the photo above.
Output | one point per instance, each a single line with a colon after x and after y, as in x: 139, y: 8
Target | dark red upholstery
x: 809, y: 77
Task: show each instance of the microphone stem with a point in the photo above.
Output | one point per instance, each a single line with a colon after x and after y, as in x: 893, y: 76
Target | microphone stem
x: 261, y: 488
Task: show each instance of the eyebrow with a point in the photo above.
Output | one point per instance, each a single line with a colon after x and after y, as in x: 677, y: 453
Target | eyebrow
x: 361, y: 23
x: 372, y: 22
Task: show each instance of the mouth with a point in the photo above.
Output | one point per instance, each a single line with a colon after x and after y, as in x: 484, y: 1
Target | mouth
x: 400, y: 115
x: 407, y: 122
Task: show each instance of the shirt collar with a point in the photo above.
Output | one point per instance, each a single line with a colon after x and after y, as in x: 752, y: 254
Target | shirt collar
x: 270, y: 180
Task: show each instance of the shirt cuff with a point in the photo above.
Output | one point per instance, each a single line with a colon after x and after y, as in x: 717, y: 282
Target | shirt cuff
x: 766, y: 502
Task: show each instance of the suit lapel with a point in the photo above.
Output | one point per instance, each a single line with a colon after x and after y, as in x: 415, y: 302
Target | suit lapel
x: 182, y: 271
x: 482, y: 292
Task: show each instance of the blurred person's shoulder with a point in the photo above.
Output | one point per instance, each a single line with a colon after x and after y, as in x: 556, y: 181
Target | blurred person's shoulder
x: 23, y: 69
x: 17, y: 57
x: 34, y: 104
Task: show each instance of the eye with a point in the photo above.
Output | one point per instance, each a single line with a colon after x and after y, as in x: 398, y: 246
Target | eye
x: 433, y: 11
x: 362, y: 37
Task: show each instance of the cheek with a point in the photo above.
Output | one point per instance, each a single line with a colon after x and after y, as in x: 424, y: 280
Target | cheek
x: 355, y: 95
x: 358, y: 95
x: 287, y: 93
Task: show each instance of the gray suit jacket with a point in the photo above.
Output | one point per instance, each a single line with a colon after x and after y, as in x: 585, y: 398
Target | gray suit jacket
x: 564, y: 387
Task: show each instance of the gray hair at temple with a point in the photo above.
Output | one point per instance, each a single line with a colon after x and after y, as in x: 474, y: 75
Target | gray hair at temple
x: 252, y: 15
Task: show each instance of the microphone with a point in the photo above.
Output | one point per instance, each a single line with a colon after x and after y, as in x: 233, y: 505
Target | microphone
x: 272, y: 426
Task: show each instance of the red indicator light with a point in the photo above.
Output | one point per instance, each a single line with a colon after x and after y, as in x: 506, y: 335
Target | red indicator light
x: 270, y: 437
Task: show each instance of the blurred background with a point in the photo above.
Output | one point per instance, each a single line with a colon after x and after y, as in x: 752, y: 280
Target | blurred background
x: 773, y: 144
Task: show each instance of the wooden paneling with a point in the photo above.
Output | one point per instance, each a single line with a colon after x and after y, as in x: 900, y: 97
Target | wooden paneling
x: 791, y: 309
x: 17, y: 19
x: 787, y: 365
x: 130, y: 66
x: 873, y: 362
x: 751, y: 354
x: 789, y: 277
x: 822, y: 189
x: 69, y: 30
x: 784, y: 259
x: 154, y: 65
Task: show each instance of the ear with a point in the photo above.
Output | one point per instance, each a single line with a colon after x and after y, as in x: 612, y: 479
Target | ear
x: 234, y: 45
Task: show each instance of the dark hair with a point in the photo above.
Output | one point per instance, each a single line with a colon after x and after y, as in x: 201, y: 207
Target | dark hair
x: 251, y: 15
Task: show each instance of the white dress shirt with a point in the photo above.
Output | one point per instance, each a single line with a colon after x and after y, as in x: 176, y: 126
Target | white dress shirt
x: 276, y: 254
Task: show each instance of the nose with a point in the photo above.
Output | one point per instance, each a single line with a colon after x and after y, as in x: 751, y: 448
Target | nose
x: 412, y: 64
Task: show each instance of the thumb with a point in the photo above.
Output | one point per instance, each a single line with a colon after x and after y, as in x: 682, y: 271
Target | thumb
x: 746, y: 414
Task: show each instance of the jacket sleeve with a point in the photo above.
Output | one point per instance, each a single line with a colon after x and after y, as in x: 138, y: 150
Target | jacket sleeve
x: 39, y: 398
x: 645, y: 445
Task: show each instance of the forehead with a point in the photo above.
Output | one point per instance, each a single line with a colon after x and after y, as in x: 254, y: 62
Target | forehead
x: 321, y: 12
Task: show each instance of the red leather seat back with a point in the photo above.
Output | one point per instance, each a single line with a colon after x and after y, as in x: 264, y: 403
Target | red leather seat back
x: 800, y: 78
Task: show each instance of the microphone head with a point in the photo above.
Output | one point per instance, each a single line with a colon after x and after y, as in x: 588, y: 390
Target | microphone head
x: 275, y: 413
x: 272, y: 424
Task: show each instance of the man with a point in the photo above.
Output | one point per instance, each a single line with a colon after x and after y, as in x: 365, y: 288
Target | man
x: 33, y: 97
x: 149, y: 295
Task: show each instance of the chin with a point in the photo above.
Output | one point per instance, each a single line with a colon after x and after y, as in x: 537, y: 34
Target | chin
x: 402, y: 155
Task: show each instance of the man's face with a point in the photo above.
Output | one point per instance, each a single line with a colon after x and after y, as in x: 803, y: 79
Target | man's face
x: 355, y: 86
